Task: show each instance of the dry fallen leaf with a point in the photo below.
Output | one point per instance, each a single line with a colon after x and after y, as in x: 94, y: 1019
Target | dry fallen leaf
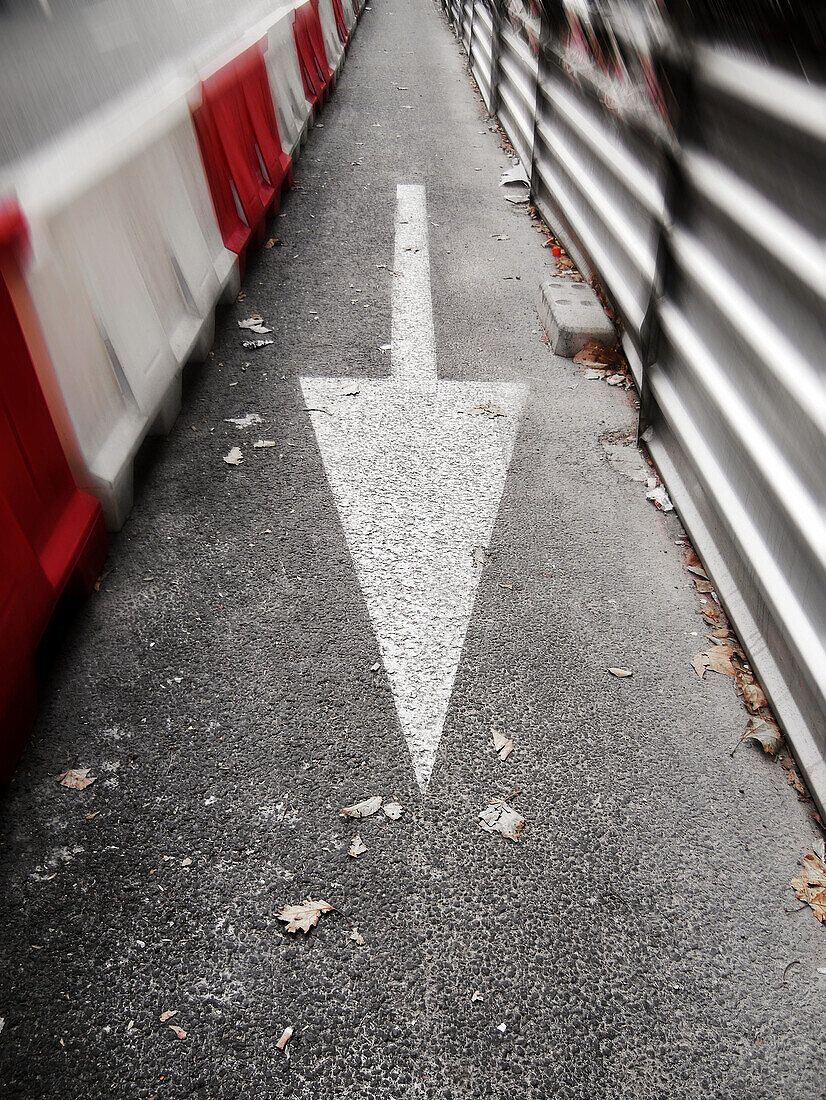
x: 366, y: 808
x: 698, y: 571
x: 301, y: 918
x: 621, y: 673
x: 501, y: 744
x: 179, y: 1031
x: 358, y: 847
x: 699, y: 663
x: 766, y: 733
x: 393, y: 810
x: 753, y: 697
x: 719, y: 660
x: 488, y: 409
x: 793, y: 778
x: 254, y: 324
x: 499, y: 817
x: 78, y: 779
x: 811, y: 885
x: 234, y: 458
x: 168, y: 1015
x: 286, y: 1035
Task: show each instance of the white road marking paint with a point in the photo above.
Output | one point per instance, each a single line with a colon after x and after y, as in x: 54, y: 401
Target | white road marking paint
x: 413, y: 343
x: 417, y: 484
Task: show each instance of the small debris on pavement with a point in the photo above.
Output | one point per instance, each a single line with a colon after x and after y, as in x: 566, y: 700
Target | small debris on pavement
x: 168, y: 1015
x: 658, y: 496
x: 481, y: 556
x: 253, y: 344
x: 476, y: 996
x: 77, y: 779
x: 259, y: 444
x: 357, y: 937
x: 501, y: 744
x: 303, y: 917
x: 179, y: 1031
x: 500, y: 236
x: 516, y: 182
x: 286, y: 1035
x: 621, y: 673
x: 488, y: 409
x: 366, y: 808
x: 393, y: 810
x: 503, y: 1027
x: 254, y: 324
x: 358, y: 847
x: 499, y: 817
x: 243, y: 421
x: 811, y: 884
x: 767, y: 735
x: 234, y: 457
x: 385, y: 347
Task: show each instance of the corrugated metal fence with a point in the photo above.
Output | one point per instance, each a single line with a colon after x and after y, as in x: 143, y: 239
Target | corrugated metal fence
x: 683, y: 168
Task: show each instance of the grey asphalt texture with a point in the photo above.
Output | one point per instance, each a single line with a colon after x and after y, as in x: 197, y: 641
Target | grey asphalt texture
x: 640, y: 941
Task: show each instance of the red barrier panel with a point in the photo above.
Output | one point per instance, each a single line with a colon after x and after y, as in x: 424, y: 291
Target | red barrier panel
x: 246, y: 167
x: 341, y: 23
x: 316, y: 73
x: 52, y: 537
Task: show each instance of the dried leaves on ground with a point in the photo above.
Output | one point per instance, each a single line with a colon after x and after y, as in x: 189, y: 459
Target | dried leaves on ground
x: 303, y: 917
x: 78, y: 779
x: 764, y: 733
x: 366, y: 808
x: 810, y: 885
x: 501, y: 744
x: 487, y: 409
x: 358, y: 847
x: 499, y: 817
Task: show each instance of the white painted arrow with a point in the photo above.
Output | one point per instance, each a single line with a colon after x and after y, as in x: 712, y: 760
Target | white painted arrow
x: 417, y: 478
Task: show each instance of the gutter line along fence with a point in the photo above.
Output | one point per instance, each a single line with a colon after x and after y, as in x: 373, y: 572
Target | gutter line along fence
x: 681, y: 161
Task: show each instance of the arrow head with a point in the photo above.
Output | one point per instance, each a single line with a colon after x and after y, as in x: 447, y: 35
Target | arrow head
x: 417, y: 473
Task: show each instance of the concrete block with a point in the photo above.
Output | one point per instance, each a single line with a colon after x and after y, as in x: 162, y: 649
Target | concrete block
x: 572, y: 315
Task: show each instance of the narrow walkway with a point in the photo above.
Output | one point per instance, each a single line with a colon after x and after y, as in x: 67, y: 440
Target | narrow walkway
x: 278, y: 639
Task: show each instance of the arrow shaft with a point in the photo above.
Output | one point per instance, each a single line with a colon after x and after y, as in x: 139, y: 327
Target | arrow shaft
x: 413, y: 344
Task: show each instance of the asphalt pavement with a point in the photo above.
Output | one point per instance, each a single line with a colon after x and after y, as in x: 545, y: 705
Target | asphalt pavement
x: 435, y: 548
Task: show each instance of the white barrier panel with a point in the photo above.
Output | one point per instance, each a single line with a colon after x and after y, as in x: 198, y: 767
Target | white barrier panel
x: 350, y: 15
x: 292, y: 107
x: 127, y: 267
x: 332, y: 43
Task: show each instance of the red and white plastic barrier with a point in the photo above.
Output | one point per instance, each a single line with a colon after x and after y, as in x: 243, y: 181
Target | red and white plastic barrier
x: 114, y: 252
x: 334, y: 31
x: 316, y: 73
x: 52, y: 538
x: 140, y: 223
x: 128, y: 263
